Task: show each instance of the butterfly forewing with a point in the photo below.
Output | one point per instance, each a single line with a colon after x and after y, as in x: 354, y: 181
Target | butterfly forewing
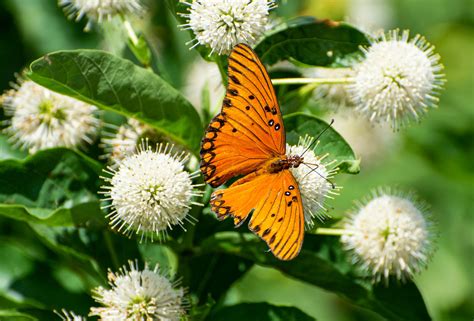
x: 251, y: 92
x: 249, y: 130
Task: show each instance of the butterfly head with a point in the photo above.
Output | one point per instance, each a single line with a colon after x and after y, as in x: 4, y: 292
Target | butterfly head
x: 295, y: 161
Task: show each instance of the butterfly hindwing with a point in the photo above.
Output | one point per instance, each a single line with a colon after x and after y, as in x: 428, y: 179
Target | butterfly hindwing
x: 249, y: 130
x: 278, y: 210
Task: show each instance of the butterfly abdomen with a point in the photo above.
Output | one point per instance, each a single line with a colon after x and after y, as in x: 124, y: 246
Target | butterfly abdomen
x: 273, y: 166
x: 283, y: 163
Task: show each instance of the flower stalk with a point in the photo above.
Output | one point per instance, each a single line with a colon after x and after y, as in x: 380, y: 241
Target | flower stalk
x: 303, y: 81
x: 332, y: 231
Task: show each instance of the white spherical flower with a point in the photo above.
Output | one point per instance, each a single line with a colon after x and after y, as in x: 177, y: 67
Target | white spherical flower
x: 389, y: 236
x: 124, y: 140
x: 150, y: 191
x: 70, y: 316
x: 204, y: 76
x: 313, y: 178
x: 398, y: 79
x: 222, y: 24
x: 332, y: 96
x: 41, y: 118
x: 139, y: 295
x: 370, y: 143
x: 98, y: 10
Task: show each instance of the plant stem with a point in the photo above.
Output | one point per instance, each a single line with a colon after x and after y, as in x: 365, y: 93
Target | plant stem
x: 222, y: 71
x: 300, y: 81
x: 188, y: 238
x: 331, y: 231
x: 111, y: 248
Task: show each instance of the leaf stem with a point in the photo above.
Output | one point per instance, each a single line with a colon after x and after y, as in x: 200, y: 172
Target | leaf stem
x: 331, y: 231
x: 140, y: 50
x: 302, y: 81
x: 131, y: 33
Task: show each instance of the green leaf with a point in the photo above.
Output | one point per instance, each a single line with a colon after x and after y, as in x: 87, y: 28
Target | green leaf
x: 317, y: 268
x: 49, y: 179
x: 15, y: 315
x: 68, y: 243
x: 85, y: 214
x: 310, y: 41
x: 259, y: 312
x: 11, y: 300
x: 43, y: 286
x: 159, y: 254
x: 141, y: 50
x: 404, y: 297
x: 299, y: 125
x: 7, y: 151
x: 15, y: 263
x: 211, y: 275
x: 113, y: 83
x: 200, y: 312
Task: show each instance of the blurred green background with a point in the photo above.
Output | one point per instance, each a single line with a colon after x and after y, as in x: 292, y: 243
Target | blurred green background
x: 433, y: 158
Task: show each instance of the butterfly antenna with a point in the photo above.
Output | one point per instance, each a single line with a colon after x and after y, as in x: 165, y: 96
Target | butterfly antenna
x: 317, y: 138
x: 315, y: 170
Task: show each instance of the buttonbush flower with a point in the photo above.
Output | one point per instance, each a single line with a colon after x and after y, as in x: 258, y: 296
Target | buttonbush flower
x: 222, y: 24
x: 390, y: 235
x: 124, y: 140
x: 370, y: 143
x: 135, y: 294
x: 150, y: 191
x: 70, y: 316
x: 398, y: 79
x: 41, y: 118
x: 98, y: 10
x: 312, y: 178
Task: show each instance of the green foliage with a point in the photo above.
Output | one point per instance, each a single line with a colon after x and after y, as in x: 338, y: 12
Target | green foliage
x: 299, y: 125
x: 310, y: 41
x: 49, y: 179
x: 260, y: 312
x: 85, y: 213
x: 113, y: 83
x: 26, y: 315
x: 316, y: 265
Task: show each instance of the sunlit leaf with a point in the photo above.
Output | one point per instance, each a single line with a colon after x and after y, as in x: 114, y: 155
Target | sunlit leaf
x: 113, y: 83
x: 299, y: 125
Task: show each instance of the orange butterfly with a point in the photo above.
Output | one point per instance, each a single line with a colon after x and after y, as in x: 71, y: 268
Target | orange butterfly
x: 248, y: 138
